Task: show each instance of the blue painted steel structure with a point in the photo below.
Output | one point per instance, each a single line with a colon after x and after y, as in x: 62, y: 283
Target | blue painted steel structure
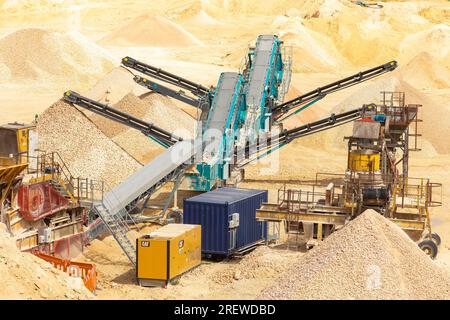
x: 264, y: 78
x: 214, y: 212
x: 239, y: 102
x: 218, y: 132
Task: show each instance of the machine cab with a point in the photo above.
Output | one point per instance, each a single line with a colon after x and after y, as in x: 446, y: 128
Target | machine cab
x: 18, y: 142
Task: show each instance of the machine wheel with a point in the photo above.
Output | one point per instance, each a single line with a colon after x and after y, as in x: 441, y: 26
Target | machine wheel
x: 429, y: 247
x: 175, y: 216
x: 436, y: 238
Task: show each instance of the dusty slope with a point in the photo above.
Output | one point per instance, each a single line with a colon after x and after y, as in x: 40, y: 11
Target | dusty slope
x: 43, y: 56
x: 166, y: 114
x: 433, y: 40
x: 425, y: 71
x: 147, y: 30
x: 85, y: 149
x: 141, y: 147
x: 370, y: 258
x: 25, y: 276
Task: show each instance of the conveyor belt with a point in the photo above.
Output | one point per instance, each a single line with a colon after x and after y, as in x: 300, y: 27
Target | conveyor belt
x: 162, y: 136
x: 151, y: 176
x: 321, y: 92
x: 221, y: 114
x: 159, y: 88
x: 260, y: 70
x: 259, y: 83
x: 157, y: 73
x: 271, y: 143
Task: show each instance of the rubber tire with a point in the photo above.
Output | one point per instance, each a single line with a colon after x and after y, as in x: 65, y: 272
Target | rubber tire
x: 429, y: 247
x: 436, y: 238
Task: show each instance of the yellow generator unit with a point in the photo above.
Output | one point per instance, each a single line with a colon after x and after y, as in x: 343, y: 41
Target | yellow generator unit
x: 167, y: 253
x: 364, y: 160
x: 18, y: 143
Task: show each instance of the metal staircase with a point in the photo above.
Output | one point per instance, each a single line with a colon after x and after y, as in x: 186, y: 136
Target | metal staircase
x: 114, y: 206
x: 117, y: 225
x: 63, y: 188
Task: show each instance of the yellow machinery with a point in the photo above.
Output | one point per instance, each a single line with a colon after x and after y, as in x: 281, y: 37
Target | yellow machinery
x: 364, y: 160
x: 17, y: 143
x: 165, y: 254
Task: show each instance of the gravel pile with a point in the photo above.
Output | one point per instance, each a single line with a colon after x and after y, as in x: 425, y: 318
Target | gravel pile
x: 370, y: 258
x: 129, y: 104
x: 260, y: 263
x: 152, y: 108
x: 164, y: 113
x: 84, y: 148
x: 60, y: 59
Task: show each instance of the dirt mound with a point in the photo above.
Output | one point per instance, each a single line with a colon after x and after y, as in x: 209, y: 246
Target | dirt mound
x: 436, y: 13
x: 370, y: 258
x: 147, y: 30
x: 49, y: 57
x: 275, y: 7
x: 425, y: 72
x: 434, y: 41
x: 203, y: 18
x: 85, y: 149
x: 312, y: 51
x: 25, y: 276
x: 139, y: 146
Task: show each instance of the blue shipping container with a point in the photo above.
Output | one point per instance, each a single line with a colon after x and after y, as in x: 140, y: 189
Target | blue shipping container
x: 215, y: 210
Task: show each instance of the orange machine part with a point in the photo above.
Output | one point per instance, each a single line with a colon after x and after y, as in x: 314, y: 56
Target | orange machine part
x: 86, y: 271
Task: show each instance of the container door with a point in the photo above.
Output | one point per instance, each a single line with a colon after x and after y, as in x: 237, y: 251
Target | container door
x: 232, y: 239
x: 233, y: 224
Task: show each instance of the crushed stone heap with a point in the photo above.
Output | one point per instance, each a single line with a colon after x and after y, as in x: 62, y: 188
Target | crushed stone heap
x: 370, y: 258
x: 86, y: 150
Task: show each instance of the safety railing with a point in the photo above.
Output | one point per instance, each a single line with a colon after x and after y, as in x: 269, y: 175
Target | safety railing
x: 51, y: 166
x: 419, y: 192
x: 393, y: 98
x: 298, y: 200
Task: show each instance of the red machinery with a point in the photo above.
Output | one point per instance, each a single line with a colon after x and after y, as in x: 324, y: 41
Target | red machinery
x: 39, y: 200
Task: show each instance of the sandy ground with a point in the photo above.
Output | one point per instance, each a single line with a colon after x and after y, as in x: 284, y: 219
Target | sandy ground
x: 330, y: 39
